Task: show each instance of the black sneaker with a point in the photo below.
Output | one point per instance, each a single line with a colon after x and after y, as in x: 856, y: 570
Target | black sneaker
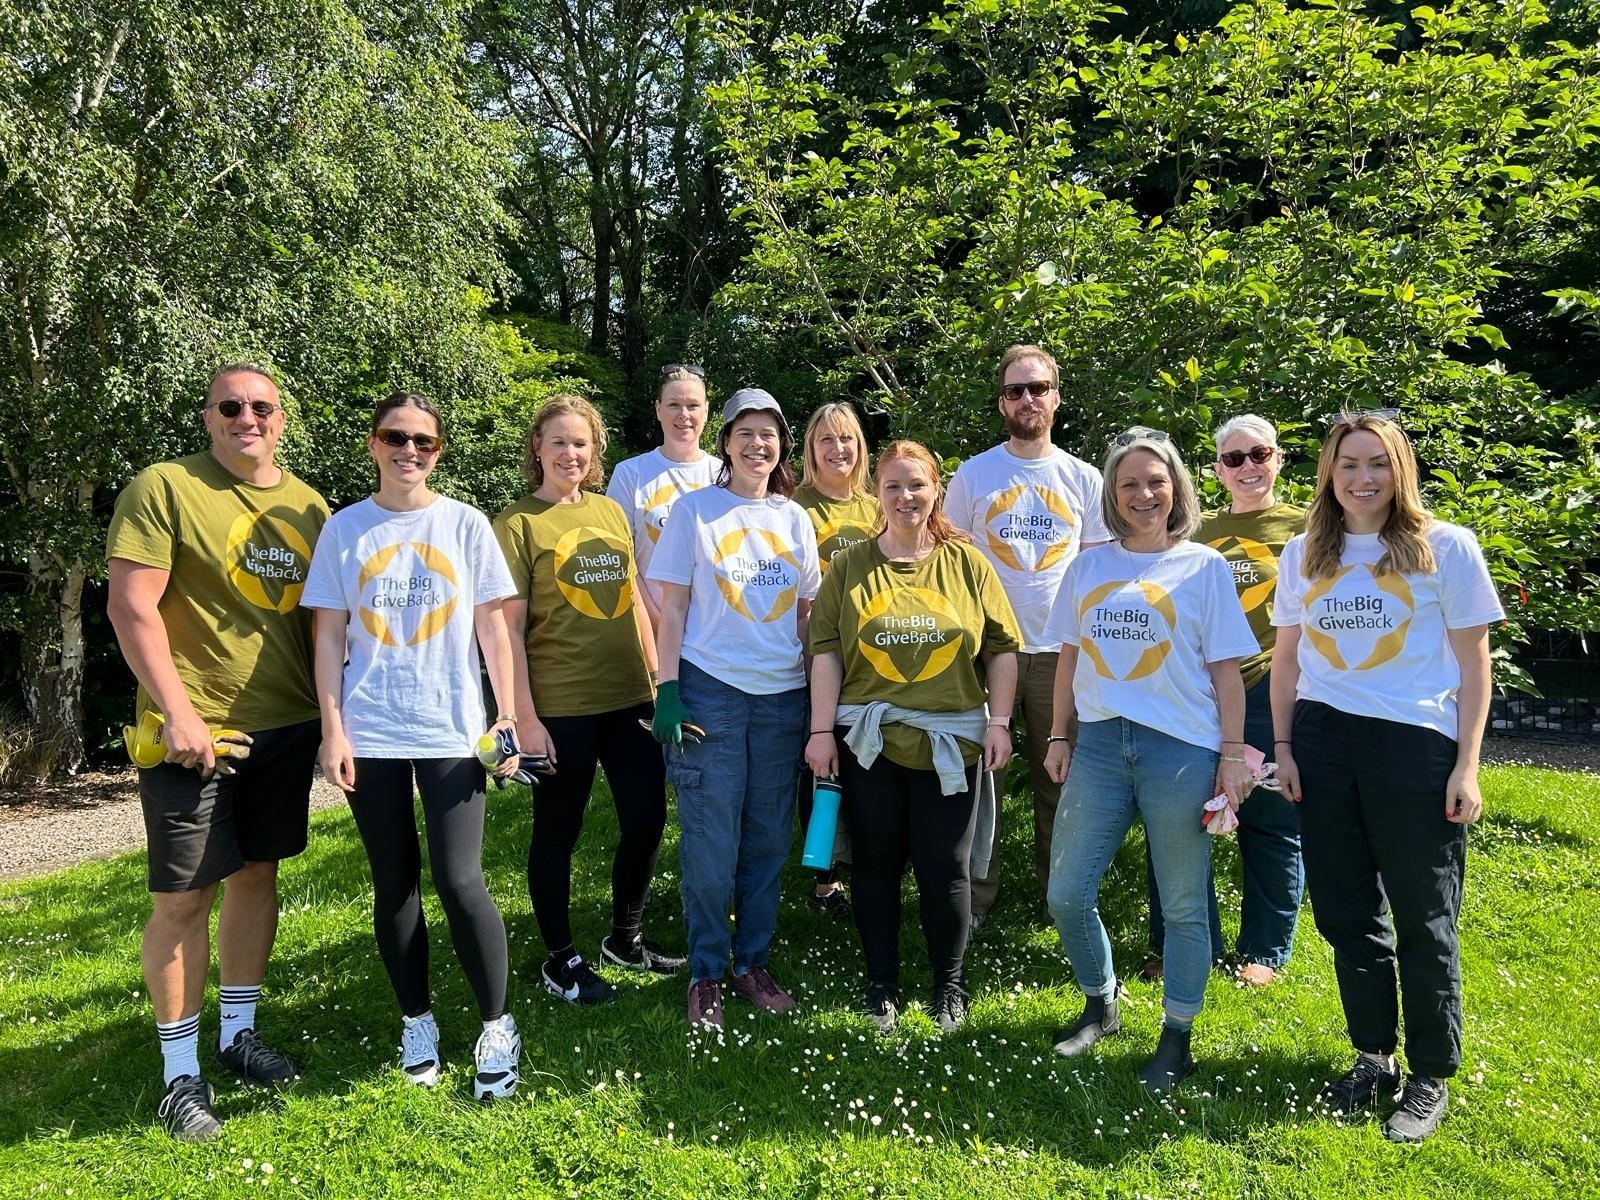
x: 251, y: 1058
x: 576, y: 983
x: 186, y: 1110
x: 1360, y: 1088
x: 883, y: 1006
x: 949, y: 1010
x: 645, y: 955
x: 835, y: 904
x: 1421, y: 1109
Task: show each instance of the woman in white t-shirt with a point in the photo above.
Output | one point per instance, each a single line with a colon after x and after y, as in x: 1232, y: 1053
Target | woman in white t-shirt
x: 737, y: 567
x: 1151, y: 636
x: 1380, y: 689
x: 408, y: 584
x: 648, y: 485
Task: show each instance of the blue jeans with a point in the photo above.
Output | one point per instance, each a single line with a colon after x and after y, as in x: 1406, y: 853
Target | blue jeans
x: 1121, y: 770
x: 735, y: 816
x: 1269, y: 850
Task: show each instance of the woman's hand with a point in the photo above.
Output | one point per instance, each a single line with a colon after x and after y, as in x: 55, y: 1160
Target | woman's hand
x: 1463, y: 802
x: 822, y: 755
x: 996, y: 747
x: 535, y: 739
x: 1234, y: 781
x: 1058, y: 760
x: 339, y: 762
x: 1288, y: 773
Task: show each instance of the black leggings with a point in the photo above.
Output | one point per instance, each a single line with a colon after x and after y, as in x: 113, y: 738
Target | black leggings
x: 898, y: 814
x: 452, y: 808
x: 637, y: 776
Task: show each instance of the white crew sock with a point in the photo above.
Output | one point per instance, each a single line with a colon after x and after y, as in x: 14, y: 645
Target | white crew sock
x: 238, y: 1011
x: 180, y: 1047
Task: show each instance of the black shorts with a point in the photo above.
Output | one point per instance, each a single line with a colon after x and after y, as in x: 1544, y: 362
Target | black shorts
x: 200, y: 833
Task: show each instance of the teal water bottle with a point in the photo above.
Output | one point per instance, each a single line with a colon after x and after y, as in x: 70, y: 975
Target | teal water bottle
x: 818, y: 854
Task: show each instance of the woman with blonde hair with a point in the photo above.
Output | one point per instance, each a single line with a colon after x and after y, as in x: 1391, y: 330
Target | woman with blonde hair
x: 899, y: 628
x: 583, y: 686
x: 838, y: 497
x: 1380, y: 689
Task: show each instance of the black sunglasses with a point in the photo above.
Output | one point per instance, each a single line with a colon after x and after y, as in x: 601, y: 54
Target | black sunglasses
x: 1376, y: 414
x: 1139, y: 435
x: 1033, y: 387
x: 425, y: 443
x: 670, y: 369
x: 1256, y: 454
x: 260, y: 409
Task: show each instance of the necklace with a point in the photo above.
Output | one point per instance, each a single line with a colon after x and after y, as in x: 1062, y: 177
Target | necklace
x: 1156, y: 561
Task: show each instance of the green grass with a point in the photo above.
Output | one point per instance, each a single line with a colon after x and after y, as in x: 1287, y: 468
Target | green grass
x: 627, y: 1102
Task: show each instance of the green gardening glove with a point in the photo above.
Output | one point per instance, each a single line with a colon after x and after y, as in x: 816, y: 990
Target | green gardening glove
x: 667, y: 725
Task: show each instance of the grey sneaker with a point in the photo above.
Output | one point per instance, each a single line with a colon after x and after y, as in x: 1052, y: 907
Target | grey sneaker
x: 643, y: 955
x: 496, y: 1056
x: 252, y: 1059
x: 1360, y: 1088
x: 186, y: 1110
x: 1421, y: 1109
x: 419, y: 1050
x: 883, y: 1006
x: 949, y: 1010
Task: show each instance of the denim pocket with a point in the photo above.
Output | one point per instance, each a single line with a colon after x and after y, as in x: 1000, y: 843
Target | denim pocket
x: 687, y: 783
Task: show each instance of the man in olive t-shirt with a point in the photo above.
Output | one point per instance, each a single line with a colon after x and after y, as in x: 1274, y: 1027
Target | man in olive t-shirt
x: 207, y: 556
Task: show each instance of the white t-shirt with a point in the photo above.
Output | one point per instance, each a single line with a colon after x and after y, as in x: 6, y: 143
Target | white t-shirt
x: 747, y: 564
x: 409, y: 582
x: 1030, y: 517
x: 1376, y: 645
x: 1146, y: 626
x: 647, y: 487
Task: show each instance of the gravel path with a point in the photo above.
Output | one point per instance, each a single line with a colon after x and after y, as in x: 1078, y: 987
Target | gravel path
x: 102, y: 819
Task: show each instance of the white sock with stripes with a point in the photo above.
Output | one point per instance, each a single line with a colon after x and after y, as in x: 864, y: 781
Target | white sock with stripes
x: 238, y: 1011
x: 180, y: 1047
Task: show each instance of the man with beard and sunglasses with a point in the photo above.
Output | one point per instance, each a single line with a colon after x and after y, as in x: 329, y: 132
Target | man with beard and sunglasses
x: 207, y: 557
x: 1030, y: 507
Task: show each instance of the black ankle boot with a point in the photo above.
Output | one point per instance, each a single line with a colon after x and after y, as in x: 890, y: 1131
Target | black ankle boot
x: 1100, y: 1018
x: 1172, y: 1063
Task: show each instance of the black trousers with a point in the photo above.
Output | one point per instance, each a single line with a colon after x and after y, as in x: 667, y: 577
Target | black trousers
x: 896, y: 815
x: 1385, y: 871
x: 636, y: 773
x: 452, y: 810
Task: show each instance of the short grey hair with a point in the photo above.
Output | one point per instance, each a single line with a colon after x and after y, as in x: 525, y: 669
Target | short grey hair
x: 239, y: 368
x: 1256, y: 427
x: 1184, y: 518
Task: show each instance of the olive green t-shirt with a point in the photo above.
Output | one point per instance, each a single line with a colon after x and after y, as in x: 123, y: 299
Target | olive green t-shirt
x: 911, y: 633
x: 573, y: 564
x: 840, y: 524
x: 238, y: 555
x: 1252, y: 542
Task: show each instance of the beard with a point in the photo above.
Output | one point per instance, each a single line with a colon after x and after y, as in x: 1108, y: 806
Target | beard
x: 1029, y: 428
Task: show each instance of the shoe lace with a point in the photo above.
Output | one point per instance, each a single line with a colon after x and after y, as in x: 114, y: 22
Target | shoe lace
x: 762, y: 981
x: 253, y: 1053
x: 1419, y: 1097
x: 952, y: 1000
x: 187, y: 1101
x: 496, y: 1049
x: 416, y: 1041
x: 707, y: 995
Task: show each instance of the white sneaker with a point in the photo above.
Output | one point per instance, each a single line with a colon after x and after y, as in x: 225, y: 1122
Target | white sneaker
x: 498, y: 1050
x: 419, y: 1049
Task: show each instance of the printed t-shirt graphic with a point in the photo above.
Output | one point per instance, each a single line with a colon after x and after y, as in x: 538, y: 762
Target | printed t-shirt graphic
x: 238, y: 556
x: 573, y: 564
x: 1146, y: 627
x: 747, y: 564
x: 1030, y: 518
x: 410, y: 582
x: 1377, y: 644
x: 840, y: 524
x: 647, y: 486
x: 910, y: 634
x: 1252, y: 543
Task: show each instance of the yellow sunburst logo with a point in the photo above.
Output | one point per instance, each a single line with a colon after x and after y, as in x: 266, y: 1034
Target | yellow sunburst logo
x: 658, y: 504
x: 1045, y: 526
x: 1156, y: 599
x: 1249, y: 558
x: 592, y: 572
x: 909, y: 634
x: 266, y: 561
x: 396, y: 592
x: 772, y: 572
x: 834, y: 536
x: 1327, y: 640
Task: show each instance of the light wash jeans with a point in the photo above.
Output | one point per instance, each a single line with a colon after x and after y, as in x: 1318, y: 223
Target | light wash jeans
x: 736, y: 794
x: 1122, y: 770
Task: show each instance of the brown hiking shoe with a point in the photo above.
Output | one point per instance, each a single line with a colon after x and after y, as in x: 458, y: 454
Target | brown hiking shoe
x: 705, y: 1002
x: 759, y: 987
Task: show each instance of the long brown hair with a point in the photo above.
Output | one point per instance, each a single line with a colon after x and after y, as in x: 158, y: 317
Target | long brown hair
x: 557, y: 406
x: 1404, y: 532
x: 940, y: 527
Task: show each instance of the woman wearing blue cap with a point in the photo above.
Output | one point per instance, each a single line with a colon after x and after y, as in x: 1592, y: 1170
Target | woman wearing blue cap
x: 737, y: 569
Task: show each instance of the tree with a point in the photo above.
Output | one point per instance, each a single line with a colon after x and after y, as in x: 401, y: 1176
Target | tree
x: 181, y: 186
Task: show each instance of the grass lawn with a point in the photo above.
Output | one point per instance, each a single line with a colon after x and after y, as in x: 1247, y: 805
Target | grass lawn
x: 626, y: 1101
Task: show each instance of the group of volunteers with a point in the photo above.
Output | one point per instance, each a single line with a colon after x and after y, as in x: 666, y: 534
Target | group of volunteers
x: 706, y: 622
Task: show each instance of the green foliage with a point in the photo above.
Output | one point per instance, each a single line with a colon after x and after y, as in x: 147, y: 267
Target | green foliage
x: 1300, y: 209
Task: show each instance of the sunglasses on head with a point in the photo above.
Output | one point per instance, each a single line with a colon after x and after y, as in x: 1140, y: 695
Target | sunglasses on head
x: 1256, y: 454
x: 1139, y: 435
x: 261, y: 409
x: 1033, y: 387
x: 668, y: 369
x: 425, y: 443
x: 1375, y: 414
